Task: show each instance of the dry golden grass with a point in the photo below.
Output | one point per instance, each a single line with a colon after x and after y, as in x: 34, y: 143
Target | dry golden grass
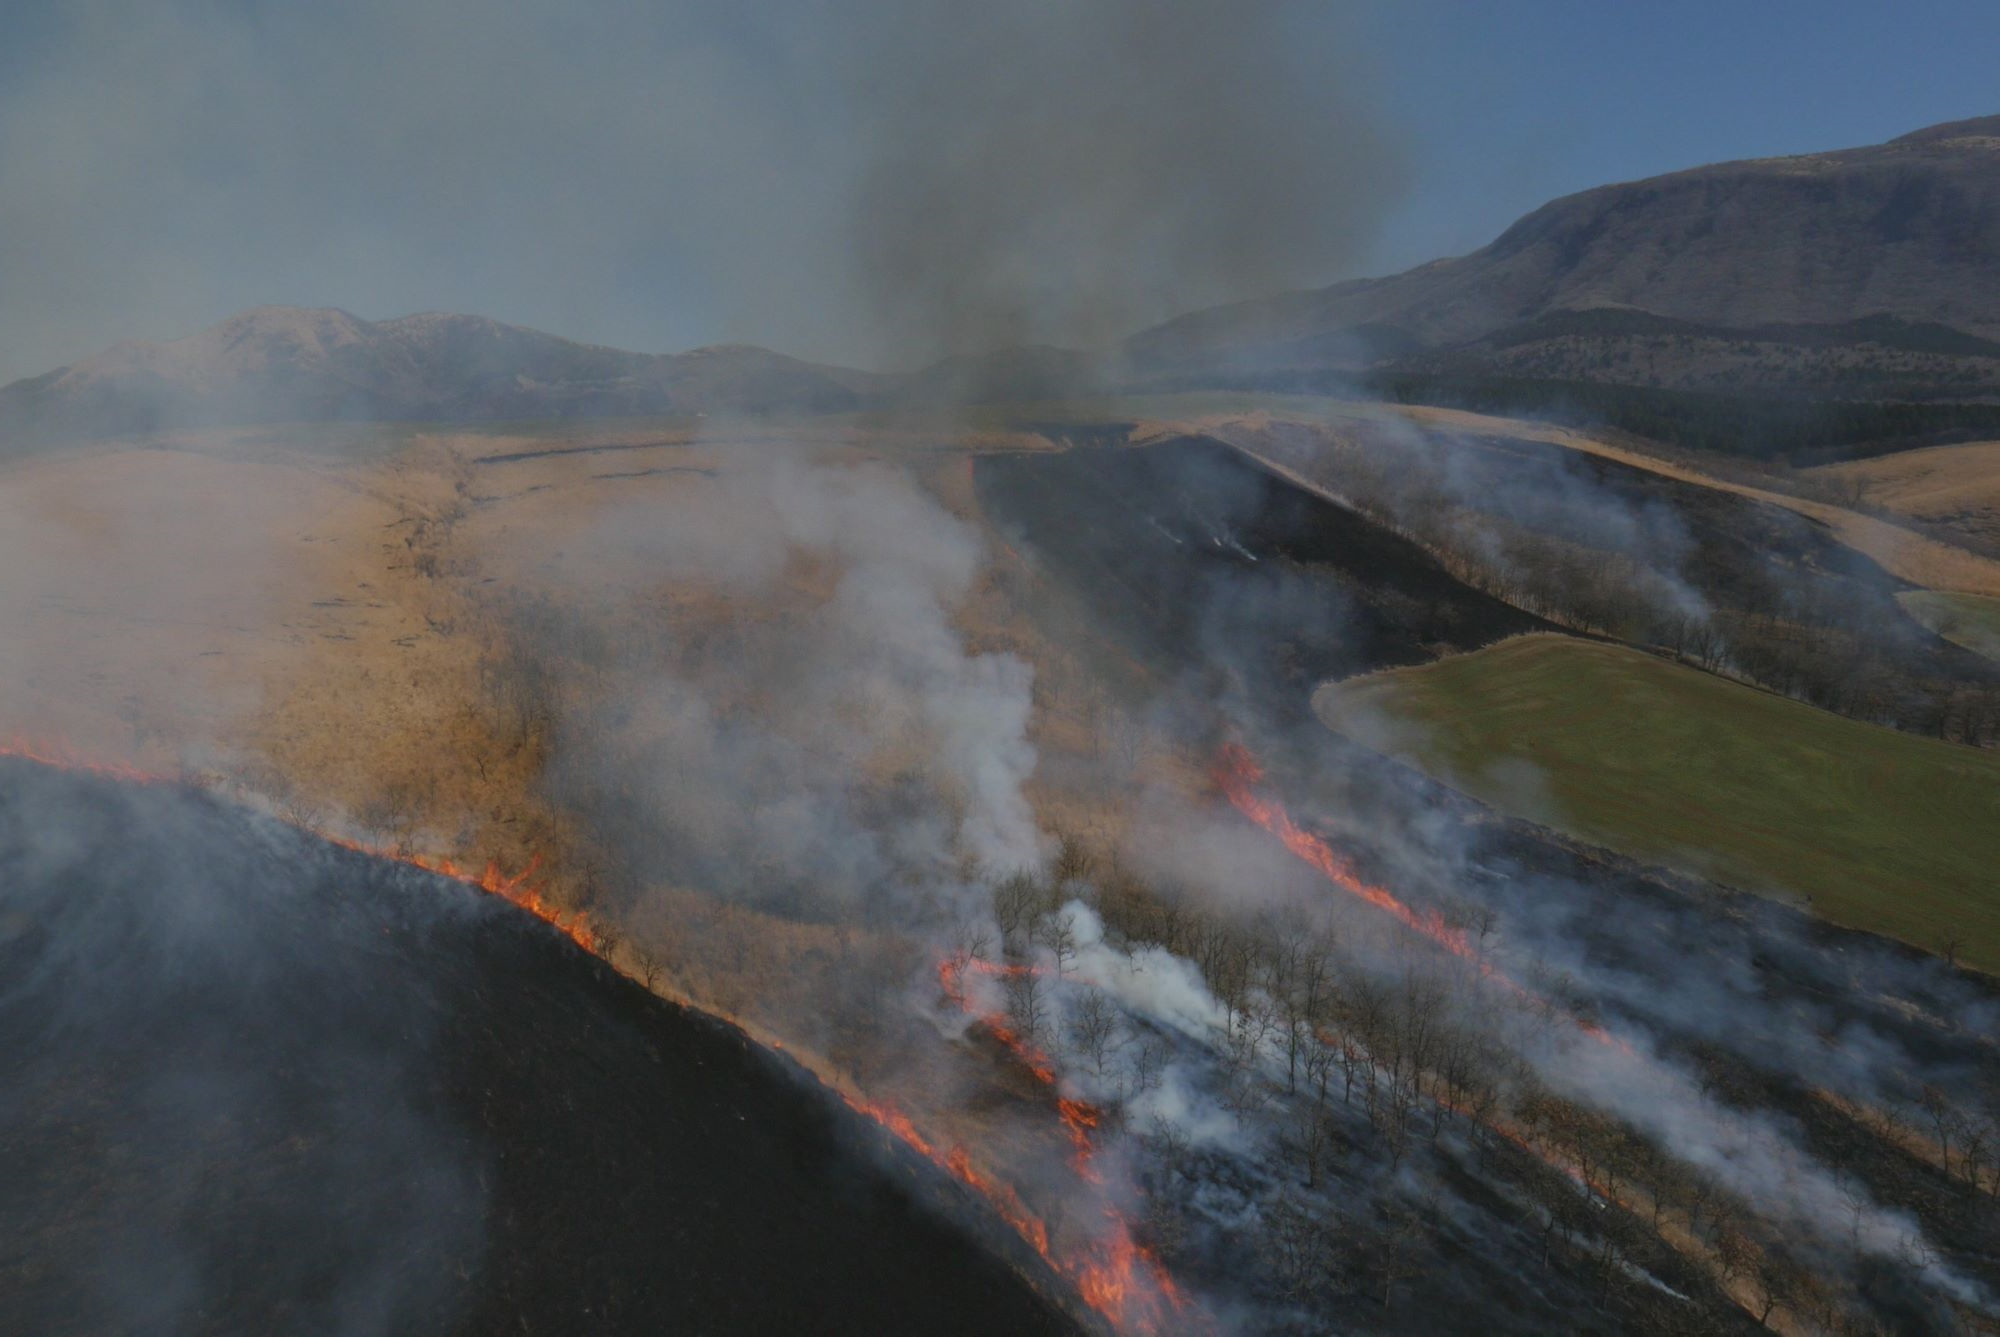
x: 1956, y: 488
x: 1922, y: 561
x: 1900, y: 551
x: 323, y: 624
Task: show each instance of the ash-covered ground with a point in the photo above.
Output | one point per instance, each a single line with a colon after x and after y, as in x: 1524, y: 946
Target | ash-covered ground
x: 1723, y: 1068
x: 254, y: 1082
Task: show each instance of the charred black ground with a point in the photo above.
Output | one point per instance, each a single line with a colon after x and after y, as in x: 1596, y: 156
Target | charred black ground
x: 1196, y: 556
x: 1162, y: 546
x: 250, y: 1082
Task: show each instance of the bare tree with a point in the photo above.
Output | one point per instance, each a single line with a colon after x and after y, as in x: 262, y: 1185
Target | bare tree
x: 1294, y: 1241
x: 1092, y: 1028
x: 1313, y: 1132
x: 648, y: 963
x: 1950, y: 945
x: 1943, y: 1119
x: 1057, y: 932
x: 1396, y: 1250
x: 1148, y: 1066
x: 1017, y: 901
x: 1072, y: 861
x: 1027, y: 1005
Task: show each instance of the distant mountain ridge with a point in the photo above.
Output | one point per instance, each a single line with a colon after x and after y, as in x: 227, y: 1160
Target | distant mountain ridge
x: 273, y: 364
x: 1869, y: 274
x: 1723, y: 269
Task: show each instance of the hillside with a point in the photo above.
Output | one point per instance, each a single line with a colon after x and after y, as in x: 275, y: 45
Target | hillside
x: 1863, y: 267
x: 260, y: 1083
x: 289, y: 364
x: 1951, y: 491
x: 1876, y: 829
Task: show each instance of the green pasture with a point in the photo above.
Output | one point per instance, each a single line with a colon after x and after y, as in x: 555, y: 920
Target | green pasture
x: 1875, y: 829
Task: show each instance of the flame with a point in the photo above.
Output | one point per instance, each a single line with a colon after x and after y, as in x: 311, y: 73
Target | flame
x: 60, y: 757
x: 1239, y: 775
x: 1115, y: 1275
x: 1079, y: 1121
x: 517, y: 889
x: 951, y: 971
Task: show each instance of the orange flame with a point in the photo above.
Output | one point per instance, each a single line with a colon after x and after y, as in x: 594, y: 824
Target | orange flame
x: 1239, y: 775
x: 1114, y: 1274
x: 60, y: 757
x: 951, y: 971
x: 516, y: 889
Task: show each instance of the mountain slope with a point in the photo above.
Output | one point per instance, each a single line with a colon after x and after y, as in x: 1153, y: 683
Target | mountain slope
x: 254, y: 1082
x: 275, y: 364
x: 1782, y: 250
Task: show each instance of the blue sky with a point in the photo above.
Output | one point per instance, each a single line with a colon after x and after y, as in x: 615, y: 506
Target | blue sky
x: 871, y: 181
x: 1508, y: 105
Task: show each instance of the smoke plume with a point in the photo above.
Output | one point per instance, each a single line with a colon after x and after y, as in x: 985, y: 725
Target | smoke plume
x: 877, y: 182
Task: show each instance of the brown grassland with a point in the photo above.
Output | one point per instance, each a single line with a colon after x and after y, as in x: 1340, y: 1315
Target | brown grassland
x: 1954, y: 489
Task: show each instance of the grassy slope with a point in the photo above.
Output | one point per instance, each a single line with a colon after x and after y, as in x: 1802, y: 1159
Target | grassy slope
x: 1967, y: 619
x: 1883, y: 830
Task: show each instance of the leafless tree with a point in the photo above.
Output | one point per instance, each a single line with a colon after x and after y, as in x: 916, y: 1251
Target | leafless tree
x: 1396, y: 1251
x: 1057, y: 932
x: 1093, y: 1026
x: 1027, y: 1005
x: 1295, y: 1248
x: 1937, y: 1108
x: 1017, y: 902
x: 1072, y: 860
x: 1148, y: 1067
x: 648, y: 963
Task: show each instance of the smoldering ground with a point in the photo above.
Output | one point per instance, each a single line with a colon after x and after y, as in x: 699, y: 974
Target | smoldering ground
x: 1757, y: 983
x: 219, y: 1103
x: 771, y: 737
x: 1728, y: 583
x: 260, y: 1082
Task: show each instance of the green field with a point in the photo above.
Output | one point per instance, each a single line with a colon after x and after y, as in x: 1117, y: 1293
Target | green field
x: 1970, y: 620
x: 1880, y: 830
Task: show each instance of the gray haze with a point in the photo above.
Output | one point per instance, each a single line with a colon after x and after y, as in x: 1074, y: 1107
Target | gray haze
x: 875, y: 182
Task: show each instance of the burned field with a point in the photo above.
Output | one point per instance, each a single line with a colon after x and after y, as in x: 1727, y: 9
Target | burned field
x: 256, y: 1082
x: 1721, y: 1043
x: 1720, y: 580
x: 1353, y: 1056
x: 1193, y: 556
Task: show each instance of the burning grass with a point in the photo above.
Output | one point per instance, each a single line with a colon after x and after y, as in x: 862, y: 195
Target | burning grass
x: 1113, y: 1274
x: 389, y: 1091
x: 1880, y: 830
x: 863, y: 1000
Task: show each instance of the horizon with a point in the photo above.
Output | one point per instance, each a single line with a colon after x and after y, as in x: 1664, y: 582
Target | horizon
x: 136, y: 212
x: 338, y: 309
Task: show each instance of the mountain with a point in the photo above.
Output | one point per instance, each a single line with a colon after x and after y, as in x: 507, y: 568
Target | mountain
x: 1868, y: 274
x: 291, y: 364
x: 1875, y: 266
